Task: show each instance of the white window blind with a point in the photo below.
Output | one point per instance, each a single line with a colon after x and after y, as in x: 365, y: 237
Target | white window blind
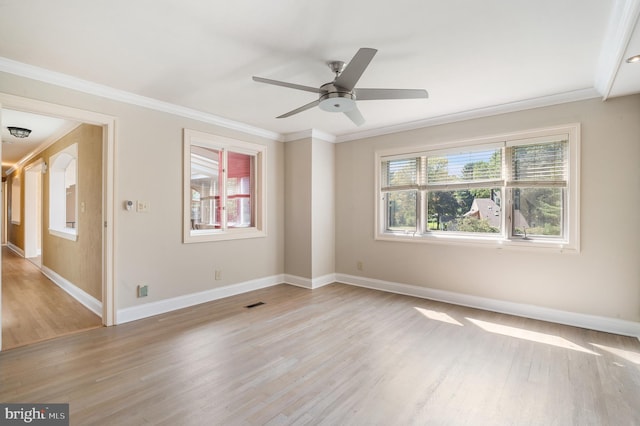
x: 465, y: 169
x: 400, y: 174
x: 539, y: 165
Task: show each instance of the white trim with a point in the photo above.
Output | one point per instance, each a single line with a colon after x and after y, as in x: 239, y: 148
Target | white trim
x: 544, y: 101
x: 67, y: 235
x: 622, y: 21
x: 225, y: 145
x: 63, y: 80
x: 309, y: 283
x: 70, y: 82
x: 323, y: 280
x: 14, y: 248
x: 133, y: 313
x: 311, y: 133
x: 90, y: 302
x: 298, y: 281
x: 592, y: 322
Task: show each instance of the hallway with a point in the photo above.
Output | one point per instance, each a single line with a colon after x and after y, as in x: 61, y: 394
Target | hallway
x: 34, y: 308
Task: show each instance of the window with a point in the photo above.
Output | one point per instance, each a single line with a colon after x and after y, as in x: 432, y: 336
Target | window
x: 224, y: 188
x: 63, y: 190
x: 517, y: 189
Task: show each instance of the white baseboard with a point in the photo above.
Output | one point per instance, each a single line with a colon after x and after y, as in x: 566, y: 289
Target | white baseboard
x: 309, y: 283
x: 90, y: 302
x: 592, y: 322
x: 14, y: 248
x: 133, y: 313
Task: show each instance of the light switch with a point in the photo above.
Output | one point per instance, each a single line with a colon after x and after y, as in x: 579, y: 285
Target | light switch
x: 143, y: 207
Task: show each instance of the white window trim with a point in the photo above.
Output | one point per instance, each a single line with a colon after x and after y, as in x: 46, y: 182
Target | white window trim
x: 64, y: 232
x: 570, y: 243
x: 193, y: 137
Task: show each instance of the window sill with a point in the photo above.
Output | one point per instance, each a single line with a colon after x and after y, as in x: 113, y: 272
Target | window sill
x: 67, y: 234
x: 207, y: 235
x: 537, y: 245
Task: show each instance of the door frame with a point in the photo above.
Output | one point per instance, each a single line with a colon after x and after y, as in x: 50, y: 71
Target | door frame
x: 108, y: 124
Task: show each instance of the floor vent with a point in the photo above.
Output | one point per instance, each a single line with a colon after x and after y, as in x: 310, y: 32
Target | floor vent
x: 253, y: 305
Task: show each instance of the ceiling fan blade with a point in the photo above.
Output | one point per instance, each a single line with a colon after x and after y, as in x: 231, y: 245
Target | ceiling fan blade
x: 373, y: 94
x: 285, y: 84
x: 352, y: 73
x: 356, y: 116
x: 302, y: 108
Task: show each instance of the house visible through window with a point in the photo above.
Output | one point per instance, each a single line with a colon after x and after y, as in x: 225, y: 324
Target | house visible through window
x: 522, y: 188
x: 224, y: 181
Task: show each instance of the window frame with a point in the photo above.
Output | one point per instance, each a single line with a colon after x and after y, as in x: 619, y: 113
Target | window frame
x: 569, y: 241
x: 225, y: 145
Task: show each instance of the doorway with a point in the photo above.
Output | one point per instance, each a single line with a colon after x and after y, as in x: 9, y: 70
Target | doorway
x: 33, y: 181
x: 33, y: 213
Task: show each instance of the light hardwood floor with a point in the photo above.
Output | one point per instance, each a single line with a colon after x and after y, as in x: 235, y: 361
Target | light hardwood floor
x: 334, y: 355
x: 34, y: 308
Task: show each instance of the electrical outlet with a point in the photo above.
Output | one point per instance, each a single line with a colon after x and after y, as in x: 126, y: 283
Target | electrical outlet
x: 143, y: 290
x: 359, y: 265
x: 218, y: 274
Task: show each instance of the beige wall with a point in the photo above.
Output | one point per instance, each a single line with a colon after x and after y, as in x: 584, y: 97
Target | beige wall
x: 79, y: 261
x: 148, y: 163
x: 323, y: 208
x: 298, y: 226
x: 603, y: 279
x: 310, y: 207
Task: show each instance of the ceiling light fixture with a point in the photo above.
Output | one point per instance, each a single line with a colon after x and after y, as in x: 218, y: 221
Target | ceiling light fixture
x: 19, y: 132
x: 633, y: 59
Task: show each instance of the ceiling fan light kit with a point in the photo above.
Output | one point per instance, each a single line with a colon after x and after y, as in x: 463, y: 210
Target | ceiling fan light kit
x: 340, y: 95
x: 335, y: 99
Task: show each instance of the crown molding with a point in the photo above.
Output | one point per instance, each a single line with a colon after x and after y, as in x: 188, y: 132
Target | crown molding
x: 624, y: 15
x: 64, y: 80
x: 311, y: 133
x: 560, y: 98
x: 84, y: 86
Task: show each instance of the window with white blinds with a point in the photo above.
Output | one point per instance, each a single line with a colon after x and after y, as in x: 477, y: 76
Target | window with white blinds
x: 401, y: 174
x: 465, y: 168
x: 539, y: 164
x: 523, y: 188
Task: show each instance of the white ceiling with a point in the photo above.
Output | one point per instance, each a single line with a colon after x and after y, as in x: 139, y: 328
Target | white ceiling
x: 471, y: 56
x: 44, y: 131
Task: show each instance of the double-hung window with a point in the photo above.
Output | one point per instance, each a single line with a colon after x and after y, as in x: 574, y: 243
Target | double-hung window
x: 516, y: 189
x: 223, y: 188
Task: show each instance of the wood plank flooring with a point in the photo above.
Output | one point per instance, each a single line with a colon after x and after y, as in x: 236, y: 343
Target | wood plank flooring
x: 34, y: 308
x: 335, y: 355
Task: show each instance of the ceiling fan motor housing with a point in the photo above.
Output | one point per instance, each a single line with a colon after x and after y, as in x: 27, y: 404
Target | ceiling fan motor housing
x: 336, y: 99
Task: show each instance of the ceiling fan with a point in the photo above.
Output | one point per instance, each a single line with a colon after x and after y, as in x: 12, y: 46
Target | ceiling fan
x: 340, y: 95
